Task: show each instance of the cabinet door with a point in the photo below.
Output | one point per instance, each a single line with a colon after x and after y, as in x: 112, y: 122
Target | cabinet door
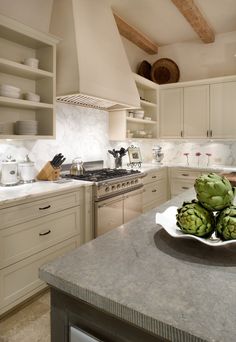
x: 133, y: 205
x: 196, y: 111
x: 171, y: 113
x: 223, y: 110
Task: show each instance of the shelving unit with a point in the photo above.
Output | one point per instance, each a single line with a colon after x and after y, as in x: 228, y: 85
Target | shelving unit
x: 17, y: 43
x: 121, y: 126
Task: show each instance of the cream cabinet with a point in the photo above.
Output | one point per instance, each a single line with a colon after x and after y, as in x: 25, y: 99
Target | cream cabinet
x: 17, y: 43
x: 202, y: 109
x: 155, y: 188
x: 182, y: 179
x: 122, y: 126
x: 34, y: 232
x: 171, y: 113
x: 223, y: 110
x: 184, y: 112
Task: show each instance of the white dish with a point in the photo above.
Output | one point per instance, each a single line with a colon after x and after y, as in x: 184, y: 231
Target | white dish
x: 32, y: 62
x: 10, y: 88
x: 167, y: 220
x: 11, y: 94
x: 32, y: 97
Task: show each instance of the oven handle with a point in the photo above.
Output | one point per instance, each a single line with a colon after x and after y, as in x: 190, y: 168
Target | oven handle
x: 118, y: 197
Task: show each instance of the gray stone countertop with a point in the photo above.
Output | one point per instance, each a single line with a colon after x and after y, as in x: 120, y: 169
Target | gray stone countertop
x: 180, y: 289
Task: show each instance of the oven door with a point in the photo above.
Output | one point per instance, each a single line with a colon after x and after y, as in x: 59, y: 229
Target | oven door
x: 108, y: 214
x: 133, y: 204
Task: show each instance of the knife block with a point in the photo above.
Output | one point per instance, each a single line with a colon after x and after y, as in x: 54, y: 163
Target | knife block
x: 49, y: 173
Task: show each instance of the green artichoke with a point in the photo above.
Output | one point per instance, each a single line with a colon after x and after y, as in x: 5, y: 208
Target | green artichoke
x: 214, y: 192
x: 226, y: 223
x: 193, y: 219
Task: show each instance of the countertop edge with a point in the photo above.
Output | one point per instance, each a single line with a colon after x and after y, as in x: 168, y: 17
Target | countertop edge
x: 121, y: 311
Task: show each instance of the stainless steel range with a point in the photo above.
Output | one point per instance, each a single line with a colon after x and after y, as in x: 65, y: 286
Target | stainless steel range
x: 117, y: 196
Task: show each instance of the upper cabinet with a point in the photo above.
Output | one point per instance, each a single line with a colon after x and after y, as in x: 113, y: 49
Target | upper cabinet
x: 171, y: 113
x: 124, y: 124
x: 223, y: 110
x: 199, y: 109
x: 19, y: 44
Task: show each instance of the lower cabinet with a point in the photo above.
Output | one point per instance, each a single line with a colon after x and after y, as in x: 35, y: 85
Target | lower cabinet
x: 155, y: 188
x: 184, y: 178
x: 28, y: 241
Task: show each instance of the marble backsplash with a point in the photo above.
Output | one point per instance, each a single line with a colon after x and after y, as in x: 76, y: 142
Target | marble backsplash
x: 222, y: 153
x: 79, y: 132
x: 84, y: 132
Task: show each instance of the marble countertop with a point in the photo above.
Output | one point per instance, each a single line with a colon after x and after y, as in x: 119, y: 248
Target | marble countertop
x: 224, y: 168
x: 179, y: 289
x: 11, y: 194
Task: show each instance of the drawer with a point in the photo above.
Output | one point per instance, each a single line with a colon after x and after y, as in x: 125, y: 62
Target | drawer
x: 20, y: 281
x: 25, y: 239
x: 154, y: 175
x: 155, y: 204
x: 185, y: 173
x: 179, y: 186
x: 29, y: 211
x: 154, y: 191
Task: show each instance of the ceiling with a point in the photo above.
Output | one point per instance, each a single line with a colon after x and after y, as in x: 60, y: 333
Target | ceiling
x: 161, y: 21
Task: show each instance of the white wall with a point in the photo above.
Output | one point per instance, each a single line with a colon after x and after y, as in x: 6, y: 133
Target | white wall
x: 195, y: 59
x: 34, y: 13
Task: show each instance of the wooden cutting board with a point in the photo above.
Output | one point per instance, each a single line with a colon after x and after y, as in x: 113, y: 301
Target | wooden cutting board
x: 231, y: 177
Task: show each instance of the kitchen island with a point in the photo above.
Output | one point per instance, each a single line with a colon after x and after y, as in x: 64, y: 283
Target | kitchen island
x: 136, y: 283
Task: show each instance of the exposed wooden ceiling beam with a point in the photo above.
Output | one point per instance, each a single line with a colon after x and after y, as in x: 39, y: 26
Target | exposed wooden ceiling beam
x: 192, y: 13
x: 135, y: 36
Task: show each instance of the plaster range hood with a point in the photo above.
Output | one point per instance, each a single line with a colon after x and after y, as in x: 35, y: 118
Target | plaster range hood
x: 92, y: 66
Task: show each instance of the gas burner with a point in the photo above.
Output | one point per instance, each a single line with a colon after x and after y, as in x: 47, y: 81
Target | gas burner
x: 103, y: 174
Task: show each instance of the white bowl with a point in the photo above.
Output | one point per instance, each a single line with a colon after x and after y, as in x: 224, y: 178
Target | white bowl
x: 32, y: 97
x: 10, y: 88
x: 12, y: 94
x: 32, y: 62
x: 139, y: 115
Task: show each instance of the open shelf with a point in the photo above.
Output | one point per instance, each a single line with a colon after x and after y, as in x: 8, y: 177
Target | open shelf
x: 17, y: 43
x: 147, y: 103
x: 18, y: 103
x: 21, y: 70
x: 149, y: 122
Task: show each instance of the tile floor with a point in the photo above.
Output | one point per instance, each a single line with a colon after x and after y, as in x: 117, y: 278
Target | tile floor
x: 31, y: 323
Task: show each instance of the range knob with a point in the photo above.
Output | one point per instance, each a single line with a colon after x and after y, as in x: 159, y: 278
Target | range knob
x: 123, y: 185
x: 128, y: 183
x: 136, y: 181
x: 118, y: 186
x: 132, y: 182
x: 113, y: 187
x: 107, y: 189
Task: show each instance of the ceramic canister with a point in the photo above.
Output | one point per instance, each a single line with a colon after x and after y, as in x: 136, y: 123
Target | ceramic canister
x: 27, y: 171
x: 9, y: 172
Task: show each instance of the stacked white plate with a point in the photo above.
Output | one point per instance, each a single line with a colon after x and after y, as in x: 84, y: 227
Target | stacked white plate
x: 6, y: 127
x: 26, y: 127
x: 9, y: 91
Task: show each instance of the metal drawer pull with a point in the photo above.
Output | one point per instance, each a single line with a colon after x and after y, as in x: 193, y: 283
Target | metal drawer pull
x: 46, y: 233
x: 185, y: 174
x: 185, y: 187
x: 154, y: 190
x: 47, y: 207
x: 154, y: 176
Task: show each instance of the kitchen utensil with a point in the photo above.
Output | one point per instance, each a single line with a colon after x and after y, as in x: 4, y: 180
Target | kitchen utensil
x: 77, y: 167
x: 26, y: 127
x: 168, y: 221
x: 139, y: 114
x: 27, y: 171
x: 57, y: 160
x: 9, y: 172
x: 9, y: 91
x: 164, y: 70
x: 118, y: 154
